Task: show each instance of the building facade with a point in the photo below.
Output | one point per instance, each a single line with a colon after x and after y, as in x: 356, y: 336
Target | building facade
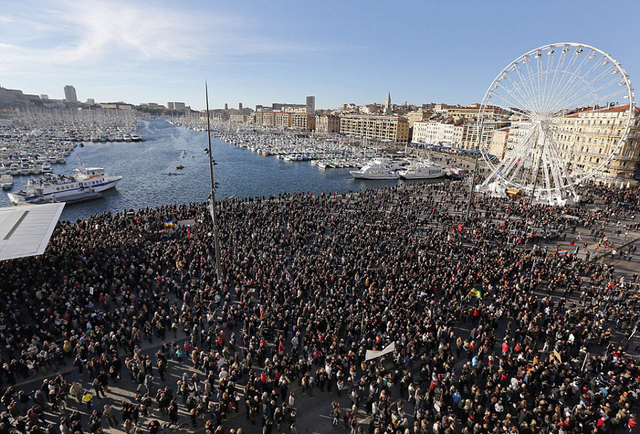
x: 265, y: 118
x: 587, y: 138
x: 70, y: 94
x: 240, y: 118
x: 311, y: 104
x: 435, y: 133
x: 303, y: 121
x: 417, y: 116
x: 283, y: 119
x: 327, y: 124
x: 390, y: 128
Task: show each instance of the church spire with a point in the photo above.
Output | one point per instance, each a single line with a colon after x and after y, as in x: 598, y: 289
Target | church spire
x: 387, y: 104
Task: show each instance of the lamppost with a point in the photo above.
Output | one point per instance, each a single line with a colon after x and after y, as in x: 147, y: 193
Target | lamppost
x: 212, y: 196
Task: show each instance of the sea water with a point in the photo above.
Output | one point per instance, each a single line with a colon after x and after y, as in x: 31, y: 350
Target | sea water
x: 150, y: 177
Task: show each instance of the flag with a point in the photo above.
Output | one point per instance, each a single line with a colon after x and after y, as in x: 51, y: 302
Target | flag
x: 169, y: 224
x: 475, y: 293
x: 459, y: 227
x: 562, y: 252
x: 188, y: 233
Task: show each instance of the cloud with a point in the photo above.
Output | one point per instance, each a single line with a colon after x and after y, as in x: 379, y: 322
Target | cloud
x: 93, y: 32
x: 127, y: 29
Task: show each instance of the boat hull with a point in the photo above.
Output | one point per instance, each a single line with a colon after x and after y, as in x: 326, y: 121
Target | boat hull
x: 360, y: 175
x: 76, y: 195
x: 410, y: 176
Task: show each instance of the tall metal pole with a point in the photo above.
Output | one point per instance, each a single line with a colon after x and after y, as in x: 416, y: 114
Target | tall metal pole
x: 212, y: 198
x: 472, y: 187
x: 473, y: 175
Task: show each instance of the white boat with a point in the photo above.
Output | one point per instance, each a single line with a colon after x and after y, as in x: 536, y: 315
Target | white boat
x: 85, y: 184
x: 6, y: 181
x: 25, y: 169
x: 377, y: 169
x: 14, y: 169
x: 423, y: 171
x: 46, y: 167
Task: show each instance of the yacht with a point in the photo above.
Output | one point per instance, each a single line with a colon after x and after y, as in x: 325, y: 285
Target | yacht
x: 377, y: 169
x: 6, y: 181
x: 85, y: 184
x: 25, y: 169
x: 14, y: 169
x: 46, y: 167
x: 425, y: 170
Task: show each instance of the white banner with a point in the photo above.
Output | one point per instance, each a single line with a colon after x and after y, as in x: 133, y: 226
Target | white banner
x: 375, y: 354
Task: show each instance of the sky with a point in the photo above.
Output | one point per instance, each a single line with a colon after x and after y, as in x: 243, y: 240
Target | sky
x: 260, y: 52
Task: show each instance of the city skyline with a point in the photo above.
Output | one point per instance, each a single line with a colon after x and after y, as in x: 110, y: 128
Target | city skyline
x: 255, y: 53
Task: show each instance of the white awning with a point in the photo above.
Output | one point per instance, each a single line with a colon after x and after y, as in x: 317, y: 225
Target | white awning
x: 25, y: 230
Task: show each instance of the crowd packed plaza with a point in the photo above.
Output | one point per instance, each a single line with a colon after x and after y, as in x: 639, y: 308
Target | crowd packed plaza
x: 122, y: 325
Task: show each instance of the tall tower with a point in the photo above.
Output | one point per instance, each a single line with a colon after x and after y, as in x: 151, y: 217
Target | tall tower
x: 70, y: 93
x: 387, y: 104
x: 240, y: 106
x: 311, y: 104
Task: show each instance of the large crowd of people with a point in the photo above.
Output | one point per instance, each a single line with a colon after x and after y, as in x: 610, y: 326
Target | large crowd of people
x: 493, y: 330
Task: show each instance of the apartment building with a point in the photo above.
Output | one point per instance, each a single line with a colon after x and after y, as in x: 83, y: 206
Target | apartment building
x: 303, y: 121
x: 391, y: 128
x: 283, y: 119
x: 327, y: 124
x: 587, y: 138
x: 436, y: 133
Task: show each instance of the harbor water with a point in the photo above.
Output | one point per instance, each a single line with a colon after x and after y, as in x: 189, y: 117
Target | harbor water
x: 150, y: 177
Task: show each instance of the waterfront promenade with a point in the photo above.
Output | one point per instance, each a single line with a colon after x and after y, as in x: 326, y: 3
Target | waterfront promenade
x: 495, y: 320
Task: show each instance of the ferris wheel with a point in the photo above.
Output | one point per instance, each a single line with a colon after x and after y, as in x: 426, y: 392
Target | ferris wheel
x: 552, y: 119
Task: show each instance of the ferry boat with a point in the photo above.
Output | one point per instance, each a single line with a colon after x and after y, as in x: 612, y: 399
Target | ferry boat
x: 423, y: 171
x: 85, y: 184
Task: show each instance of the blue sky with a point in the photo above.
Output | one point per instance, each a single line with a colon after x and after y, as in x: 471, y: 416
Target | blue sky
x: 259, y: 52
